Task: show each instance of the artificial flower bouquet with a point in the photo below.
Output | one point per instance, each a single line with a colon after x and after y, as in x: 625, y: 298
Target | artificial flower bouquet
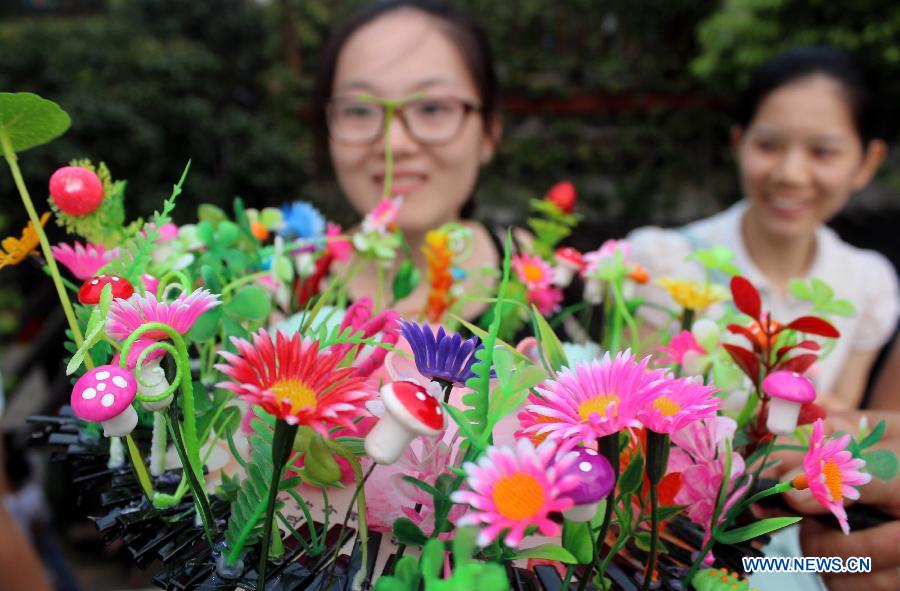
x: 235, y: 417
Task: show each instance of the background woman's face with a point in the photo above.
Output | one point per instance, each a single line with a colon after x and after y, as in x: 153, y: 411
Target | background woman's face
x: 801, y: 157
x: 400, y: 54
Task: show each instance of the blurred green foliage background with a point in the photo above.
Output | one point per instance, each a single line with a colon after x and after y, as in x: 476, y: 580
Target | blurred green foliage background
x: 628, y: 99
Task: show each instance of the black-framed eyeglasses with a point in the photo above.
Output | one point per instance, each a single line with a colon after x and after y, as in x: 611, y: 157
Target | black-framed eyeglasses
x: 361, y: 119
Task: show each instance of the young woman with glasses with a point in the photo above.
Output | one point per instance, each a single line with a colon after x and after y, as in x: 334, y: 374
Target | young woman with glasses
x: 412, y: 81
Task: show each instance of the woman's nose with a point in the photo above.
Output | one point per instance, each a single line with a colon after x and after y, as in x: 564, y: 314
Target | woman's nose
x: 793, y: 167
x: 398, y: 135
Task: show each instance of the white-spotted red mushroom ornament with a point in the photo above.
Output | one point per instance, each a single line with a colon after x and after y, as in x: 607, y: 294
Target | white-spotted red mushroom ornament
x: 788, y: 391
x: 75, y: 190
x: 104, y: 395
x: 90, y: 291
x: 596, y: 478
x: 568, y: 262
x: 410, y: 410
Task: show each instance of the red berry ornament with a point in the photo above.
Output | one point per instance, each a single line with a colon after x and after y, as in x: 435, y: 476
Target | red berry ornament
x: 562, y: 194
x: 90, y: 291
x: 75, y: 190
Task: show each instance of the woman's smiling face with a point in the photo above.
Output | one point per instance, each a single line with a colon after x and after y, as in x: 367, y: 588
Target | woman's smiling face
x: 402, y: 54
x: 801, y: 157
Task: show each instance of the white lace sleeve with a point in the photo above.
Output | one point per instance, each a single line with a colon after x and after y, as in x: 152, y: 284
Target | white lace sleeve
x: 662, y: 253
x: 879, y: 306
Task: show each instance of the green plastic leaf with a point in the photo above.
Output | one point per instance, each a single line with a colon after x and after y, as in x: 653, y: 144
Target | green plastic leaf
x: 424, y: 486
x: 319, y: 464
x: 633, y: 476
x: 408, y: 532
x: 210, y: 279
x: 30, y: 120
x: 270, y: 217
x: 405, y: 281
x: 464, y: 545
x: 800, y: 290
x: 821, y: 292
x: 754, y: 530
x: 838, y: 308
x: 874, y: 436
x: 881, y: 463
x: 211, y: 214
x: 432, y: 562
x: 250, y: 303
x: 576, y: 538
x: 547, y: 551
x: 642, y: 540
x: 457, y: 415
x: 227, y: 233
x: 550, y: 343
x: 206, y: 327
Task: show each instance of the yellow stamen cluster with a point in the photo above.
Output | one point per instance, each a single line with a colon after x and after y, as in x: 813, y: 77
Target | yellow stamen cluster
x: 692, y: 295
x: 599, y: 405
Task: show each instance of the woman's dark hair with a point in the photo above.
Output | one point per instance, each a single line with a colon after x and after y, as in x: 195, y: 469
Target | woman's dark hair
x: 803, y: 62
x: 463, y: 31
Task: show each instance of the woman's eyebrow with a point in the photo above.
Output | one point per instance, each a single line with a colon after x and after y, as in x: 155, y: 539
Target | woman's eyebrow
x: 364, y: 85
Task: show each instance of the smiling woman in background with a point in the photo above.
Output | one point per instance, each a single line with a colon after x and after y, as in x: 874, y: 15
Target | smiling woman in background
x: 805, y: 141
x: 432, y: 68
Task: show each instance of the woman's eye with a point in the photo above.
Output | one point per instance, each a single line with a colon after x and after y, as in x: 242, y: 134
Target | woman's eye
x: 356, y: 111
x: 767, y: 145
x: 432, y: 108
x: 823, y: 152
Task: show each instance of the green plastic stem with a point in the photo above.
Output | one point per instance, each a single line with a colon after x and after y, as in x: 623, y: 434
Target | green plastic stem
x: 12, y: 161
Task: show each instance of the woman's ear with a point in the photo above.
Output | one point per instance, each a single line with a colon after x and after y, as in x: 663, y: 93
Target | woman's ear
x: 872, y: 159
x: 737, y: 134
x: 491, y: 141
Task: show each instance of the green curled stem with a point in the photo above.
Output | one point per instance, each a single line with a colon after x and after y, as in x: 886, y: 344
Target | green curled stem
x: 166, y: 279
x: 167, y: 347
x: 186, y: 438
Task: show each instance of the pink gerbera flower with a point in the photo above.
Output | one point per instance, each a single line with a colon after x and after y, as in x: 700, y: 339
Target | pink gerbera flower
x: 533, y: 271
x: 384, y: 214
x: 295, y: 381
x: 547, y: 299
x: 514, y: 489
x: 681, y: 345
x: 677, y: 404
x: 338, y: 245
x: 832, y: 473
x: 126, y: 316
x: 596, y: 260
x: 593, y: 399
x: 83, y: 261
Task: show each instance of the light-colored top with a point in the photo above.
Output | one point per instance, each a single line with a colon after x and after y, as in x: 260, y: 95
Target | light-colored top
x: 863, y: 277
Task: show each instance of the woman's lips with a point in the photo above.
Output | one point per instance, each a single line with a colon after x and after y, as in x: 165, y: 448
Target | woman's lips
x: 402, y: 184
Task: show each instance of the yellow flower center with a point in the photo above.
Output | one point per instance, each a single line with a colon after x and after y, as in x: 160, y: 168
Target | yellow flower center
x: 518, y: 496
x: 831, y: 474
x: 297, y: 393
x: 532, y: 272
x: 598, y: 405
x: 667, y: 406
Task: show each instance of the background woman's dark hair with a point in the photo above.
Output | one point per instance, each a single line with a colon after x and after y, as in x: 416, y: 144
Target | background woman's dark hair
x: 465, y: 33
x: 802, y: 62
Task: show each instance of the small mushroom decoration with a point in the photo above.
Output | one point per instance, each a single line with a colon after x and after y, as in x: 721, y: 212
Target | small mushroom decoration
x: 151, y: 378
x: 89, y: 293
x: 410, y: 410
x: 104, y: 395
x: 597, y: 479
x: 788, y: 391
x: 568, y: 262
